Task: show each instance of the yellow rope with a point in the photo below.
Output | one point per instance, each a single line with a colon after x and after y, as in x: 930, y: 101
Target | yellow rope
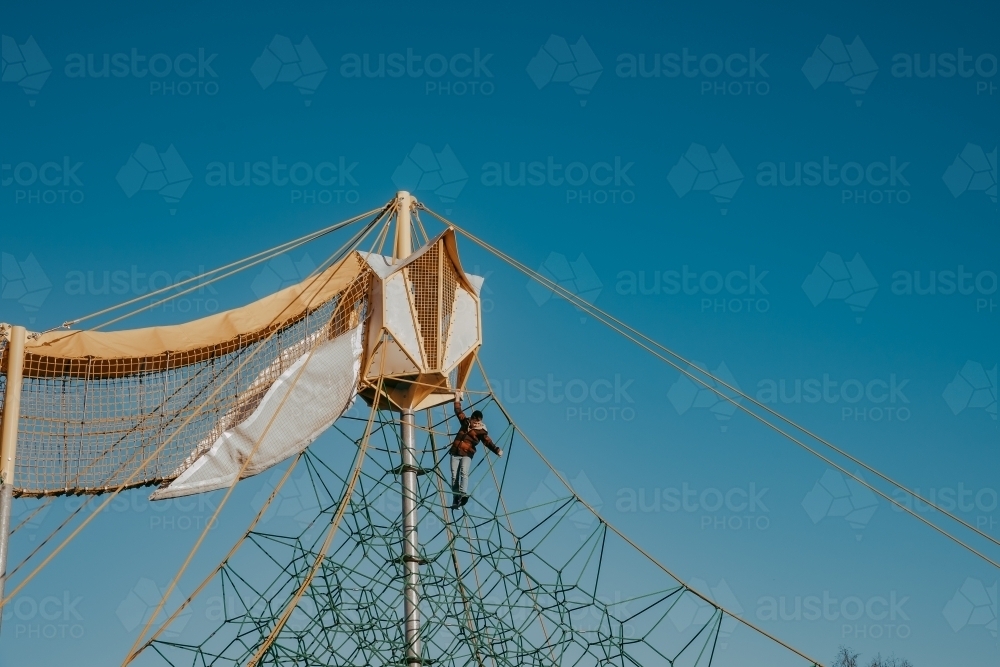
x: 177, y: 612
x: 335, y: 524
x: 222, y: 504
x: 128, y: 480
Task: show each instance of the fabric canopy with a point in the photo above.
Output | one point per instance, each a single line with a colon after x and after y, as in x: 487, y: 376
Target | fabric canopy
x: 302, y: 403
x: 97, y: 354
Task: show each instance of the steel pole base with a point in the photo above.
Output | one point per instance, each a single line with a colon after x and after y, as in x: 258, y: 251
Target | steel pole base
x: 411, y: 542
x: 6, y: 502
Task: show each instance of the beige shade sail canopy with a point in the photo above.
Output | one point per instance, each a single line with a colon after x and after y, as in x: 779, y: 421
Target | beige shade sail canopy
x: 191, y: 402
x: 105, y: 354
x: 137, y: 407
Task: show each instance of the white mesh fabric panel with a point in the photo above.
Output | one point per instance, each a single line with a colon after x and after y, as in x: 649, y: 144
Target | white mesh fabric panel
x: 304, y: 401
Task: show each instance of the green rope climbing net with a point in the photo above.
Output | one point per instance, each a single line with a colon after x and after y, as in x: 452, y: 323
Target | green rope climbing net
x: 541, y: 581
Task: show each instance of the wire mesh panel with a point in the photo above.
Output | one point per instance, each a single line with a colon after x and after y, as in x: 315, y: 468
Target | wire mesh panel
x: 424, y: 282
x: 449, y: 283
x: 91, y: 425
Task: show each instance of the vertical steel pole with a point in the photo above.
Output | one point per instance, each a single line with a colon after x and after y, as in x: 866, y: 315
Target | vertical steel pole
x: 411, y: 543
x: 8, y: 443
x: 408, y: 471
x: 403, y: 246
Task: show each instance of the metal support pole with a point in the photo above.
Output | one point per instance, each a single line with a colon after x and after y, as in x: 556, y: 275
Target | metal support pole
x: 404, y: 244
x: 8, y: 443
x: 411, y: 543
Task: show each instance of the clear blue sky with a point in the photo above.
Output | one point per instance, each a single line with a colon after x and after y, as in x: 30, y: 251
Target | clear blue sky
x: 845, y: 178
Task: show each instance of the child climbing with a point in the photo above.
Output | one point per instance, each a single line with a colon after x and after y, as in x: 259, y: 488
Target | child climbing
x: 471, y: 433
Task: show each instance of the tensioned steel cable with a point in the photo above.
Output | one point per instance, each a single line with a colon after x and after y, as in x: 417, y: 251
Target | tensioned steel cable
x: 358, y: 239
x: 637, y: 338
x: 136, y: 649
x: 265, y: 254
x: 218, y: 510
x: 261, y: 258
x: 342, y: 251
x: 620, y: 534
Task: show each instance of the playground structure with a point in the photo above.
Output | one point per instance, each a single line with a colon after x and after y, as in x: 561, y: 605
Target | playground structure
x: 374, y: 568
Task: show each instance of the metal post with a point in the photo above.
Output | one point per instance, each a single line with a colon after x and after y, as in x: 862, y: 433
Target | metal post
x: 8, y: 443
x: 411, y: 543
x: 403, y: 245
x: 408, y: 471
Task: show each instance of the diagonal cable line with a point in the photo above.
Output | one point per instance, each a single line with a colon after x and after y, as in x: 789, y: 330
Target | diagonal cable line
x: 638, y: 338
x: 122, y: 486
x: 265, y: 254
x: 620, y: 534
